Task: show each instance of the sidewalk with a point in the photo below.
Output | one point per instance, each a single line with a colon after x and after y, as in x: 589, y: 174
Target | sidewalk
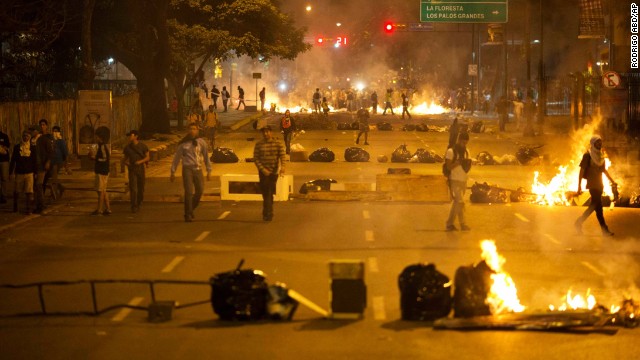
x: 79, y: 185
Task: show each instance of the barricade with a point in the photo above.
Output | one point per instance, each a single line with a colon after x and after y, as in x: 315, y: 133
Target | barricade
x: 243, y: 187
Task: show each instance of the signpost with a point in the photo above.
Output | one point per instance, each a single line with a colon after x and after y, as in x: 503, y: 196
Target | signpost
x: 464, y: 11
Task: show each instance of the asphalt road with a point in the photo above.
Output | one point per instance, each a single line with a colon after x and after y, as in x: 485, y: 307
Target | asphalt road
x: 543, y: 257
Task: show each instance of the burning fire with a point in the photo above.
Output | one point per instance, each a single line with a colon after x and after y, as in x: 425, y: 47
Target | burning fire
x: 559, y: 190
x: 577, y: 302
x: 422, y: 109
x: 503, y: 296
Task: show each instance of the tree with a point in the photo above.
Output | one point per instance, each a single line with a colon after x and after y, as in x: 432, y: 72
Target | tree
x: 200, y: 31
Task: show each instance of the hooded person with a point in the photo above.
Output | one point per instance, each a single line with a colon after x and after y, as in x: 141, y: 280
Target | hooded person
x: 592, y: 167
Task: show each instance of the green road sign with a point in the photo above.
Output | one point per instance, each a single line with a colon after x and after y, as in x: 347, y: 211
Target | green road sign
x: 464, y: 11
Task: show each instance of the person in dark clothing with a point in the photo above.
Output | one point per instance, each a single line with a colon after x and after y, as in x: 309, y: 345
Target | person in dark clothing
x: 44, y: 154
x: 592, y: 167
x: 136, y: 157
x: 269, y: 159
x: 23, y: 166
x: 405, y: 106
x: 287, y: 127
x: 102, y: 167
x: 387, y: 102
x: 240, y: 98
x: 263, y: 98
x: 5, y: 150
x: 225, y: 97
x: 454, y: 130
x: 60, y: 155
x: 316, y: 100
x: 215, y: 94
x: 502, y: 108
x: 363, y: 126
x: 374, y: 102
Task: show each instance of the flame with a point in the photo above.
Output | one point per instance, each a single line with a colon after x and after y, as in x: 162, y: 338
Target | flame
x: 579, y: 302
x: 565, y: 182
x: 503, y: 295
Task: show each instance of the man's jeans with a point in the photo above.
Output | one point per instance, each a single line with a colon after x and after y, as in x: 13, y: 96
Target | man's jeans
x: 268, y: 188
x: 192, y: 179
x: 136, y: 187
x: 458, y: 189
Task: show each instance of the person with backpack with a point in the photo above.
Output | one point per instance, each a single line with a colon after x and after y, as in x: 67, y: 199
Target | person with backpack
x: 316, y: 101
x: 287, y: 127
x: 136, y: 157
x: 592, y: 167
x: 241, y: 98
x: 102, y: 158
x: 456, y: 166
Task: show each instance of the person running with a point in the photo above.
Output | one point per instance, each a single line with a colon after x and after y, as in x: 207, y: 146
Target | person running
x: 136, y: 157
x: 363, y: 125
x: 458, y: 164
x: 269, y: 159
x: 287, y: 127
x: 192, y: 151
x: 241, y: 98
x: 592, y: 167
x: 387, y: 103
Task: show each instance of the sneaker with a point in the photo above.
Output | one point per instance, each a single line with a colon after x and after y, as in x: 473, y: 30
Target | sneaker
x: 188, y: 218
x: 96, y: 213
x: 106, y: 212
x: 465, y: 228
x: 366, y: 143
x: 451, y: 228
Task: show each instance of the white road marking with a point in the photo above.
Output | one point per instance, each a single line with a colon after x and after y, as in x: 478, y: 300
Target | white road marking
x: 595, y: 270
x: 224, y: 215
x: 122, y: 314
x: 373, y: 264
x: 378, y: 308
x: 169, y: 268
x: 365, y: 214
x: 521, y: 217
x: 552, y: 239
x: 202, y: 236
x: 368, y: 235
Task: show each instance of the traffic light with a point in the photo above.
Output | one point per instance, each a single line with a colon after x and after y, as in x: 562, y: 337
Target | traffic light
x: 389, y: 27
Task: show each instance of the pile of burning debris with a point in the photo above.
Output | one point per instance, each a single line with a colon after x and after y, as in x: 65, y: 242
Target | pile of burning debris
x: 485, y: 297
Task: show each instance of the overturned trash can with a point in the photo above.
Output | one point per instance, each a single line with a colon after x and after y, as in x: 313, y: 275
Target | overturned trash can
x: 348, y: 290
x: 425, y: 293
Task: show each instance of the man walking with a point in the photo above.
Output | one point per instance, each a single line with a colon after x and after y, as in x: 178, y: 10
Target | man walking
x: 5, y: 149
x: 192, y: 151
x: 374, y: 102
x: 316, y: 99
x: 287, y: 127
x: 591, y: 168
x: 225, y: 98
x: 44, y: 154
x: 241, y: 98
x: 405, y: 106
x: 387, y: 102
x: 363, y: 126
x: 215, y: 94
x: 457, y: 163
x: 269, y: 158
x: 136, y: 157
x: 210, y: 126
x: 23, y: 166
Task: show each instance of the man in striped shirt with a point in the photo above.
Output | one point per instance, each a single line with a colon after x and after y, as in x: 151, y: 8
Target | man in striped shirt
x: 269, y: 158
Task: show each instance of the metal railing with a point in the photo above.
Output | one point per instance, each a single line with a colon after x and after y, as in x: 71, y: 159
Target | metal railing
x: 96, y: 311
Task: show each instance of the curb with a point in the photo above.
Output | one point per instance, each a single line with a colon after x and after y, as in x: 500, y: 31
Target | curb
x: 245, y: 121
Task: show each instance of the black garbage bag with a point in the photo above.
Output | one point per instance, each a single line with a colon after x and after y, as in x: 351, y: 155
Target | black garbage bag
x: 280, y: 305
x: 401, y: 154
x: 384, y: 126
x: 224, y: 155
x: 526, y: 154
x: 425, y: 293
x: 322, y: 155
x: 472, y: 284
x: 408, y: 127
x: 356, y: 154
x: 520, y: 195
x: 422, y: 127
x: 477, y: 126
x: 424, y: 156
x: 485, y: 158
x: 485, y: 193
x: 344, y: 126
x: 240, y: 294
x: 317, y: 185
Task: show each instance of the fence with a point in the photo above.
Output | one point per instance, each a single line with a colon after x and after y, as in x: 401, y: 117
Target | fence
x: 20, y: 115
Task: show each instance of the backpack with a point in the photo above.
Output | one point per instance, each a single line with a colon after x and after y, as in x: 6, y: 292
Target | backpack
x: 445, y: 170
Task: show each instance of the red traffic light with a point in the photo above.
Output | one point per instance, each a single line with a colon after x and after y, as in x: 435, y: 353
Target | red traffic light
x: 388, y: 27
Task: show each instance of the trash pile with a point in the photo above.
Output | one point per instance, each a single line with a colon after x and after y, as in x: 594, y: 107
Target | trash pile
x: 356, y: 154
x: 384, y: 126
x: 527, y: 155
x: 223, y: 155
x: 426, y: 156
x: 322, y: 155
x: 485, y: 158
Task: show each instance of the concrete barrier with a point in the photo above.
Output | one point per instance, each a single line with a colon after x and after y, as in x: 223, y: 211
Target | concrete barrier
x: 402, y: 187
x: 242, y: 187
